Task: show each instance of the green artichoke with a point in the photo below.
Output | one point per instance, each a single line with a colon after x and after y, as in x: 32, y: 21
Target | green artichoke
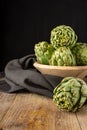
x: 63, y: 36
x: 43, y: 51
x: 80, y: 52
x: 62, y: 57
x: 70, y: 94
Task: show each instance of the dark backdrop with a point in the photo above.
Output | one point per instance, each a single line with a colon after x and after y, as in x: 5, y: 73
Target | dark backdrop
x: 26, y: 22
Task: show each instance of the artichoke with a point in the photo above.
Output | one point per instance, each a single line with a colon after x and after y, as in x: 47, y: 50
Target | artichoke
x: 43, y: 51
x: 62, y: 57
x: 63, y: 36
x: 80, y: 52
x: 70, y: 94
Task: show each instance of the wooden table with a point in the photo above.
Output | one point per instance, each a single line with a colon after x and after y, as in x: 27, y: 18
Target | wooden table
x: 24, y: 111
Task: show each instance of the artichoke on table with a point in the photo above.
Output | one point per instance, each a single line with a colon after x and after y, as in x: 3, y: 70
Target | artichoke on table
x: 70, y: 94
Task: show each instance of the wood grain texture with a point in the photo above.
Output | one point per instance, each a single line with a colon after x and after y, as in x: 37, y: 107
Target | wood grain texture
x: 24, y: 111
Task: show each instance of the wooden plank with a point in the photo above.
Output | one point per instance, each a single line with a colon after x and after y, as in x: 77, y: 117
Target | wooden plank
x: 82, y: 118
x: 66, y: 121
x: 28, y: 112
x: 5, y: 102
x: 35, y: 112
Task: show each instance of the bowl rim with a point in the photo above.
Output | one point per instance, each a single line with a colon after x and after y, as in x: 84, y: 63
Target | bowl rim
x: 36, y: 64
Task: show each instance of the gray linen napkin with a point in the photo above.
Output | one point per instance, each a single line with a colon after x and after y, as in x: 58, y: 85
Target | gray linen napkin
x: 20, y: 74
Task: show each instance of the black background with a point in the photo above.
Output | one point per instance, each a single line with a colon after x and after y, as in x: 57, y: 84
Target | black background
x: 24, y: 23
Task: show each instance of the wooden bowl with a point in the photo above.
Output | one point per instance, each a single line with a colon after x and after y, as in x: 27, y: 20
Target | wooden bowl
x: 62, y: 71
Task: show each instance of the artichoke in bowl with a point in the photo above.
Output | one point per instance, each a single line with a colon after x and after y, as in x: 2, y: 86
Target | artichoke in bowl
x: 62, y: 57
x: 70, y: 94
x: 63, y: 36
x: 80, y: 52
x: 43, y: 51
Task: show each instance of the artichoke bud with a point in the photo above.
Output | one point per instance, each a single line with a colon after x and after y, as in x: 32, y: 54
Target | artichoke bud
x: 63, y: 36
x: 69, y: 95
x: 43, y: 51
x: 62, y: 57
x: 80, y: 52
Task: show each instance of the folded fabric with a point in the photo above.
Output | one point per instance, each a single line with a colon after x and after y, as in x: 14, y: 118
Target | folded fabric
x: 20, y: 74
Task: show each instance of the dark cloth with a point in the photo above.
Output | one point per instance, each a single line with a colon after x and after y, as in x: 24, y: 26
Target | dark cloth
x: 20, y: 74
